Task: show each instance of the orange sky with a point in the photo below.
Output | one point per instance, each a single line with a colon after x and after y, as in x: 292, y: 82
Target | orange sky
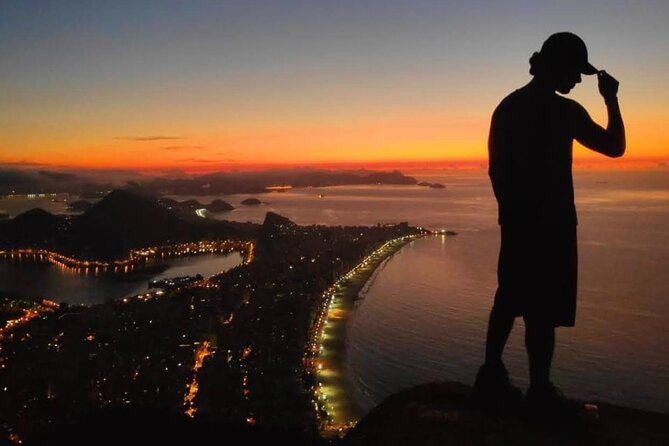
x: 429, y: 140
x: 403, y: 85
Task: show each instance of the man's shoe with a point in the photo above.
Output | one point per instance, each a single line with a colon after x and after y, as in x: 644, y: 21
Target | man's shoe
x: 547, y: 401
x: 493, y: 391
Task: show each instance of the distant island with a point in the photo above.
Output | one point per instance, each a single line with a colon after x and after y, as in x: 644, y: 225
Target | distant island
x: 267, y: 180
x: 190, y: 206
x: 432, y: 185
x: 219, y: 205
x: 88, y: 186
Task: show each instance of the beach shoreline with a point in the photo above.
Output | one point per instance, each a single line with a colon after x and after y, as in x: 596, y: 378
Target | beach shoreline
x: 333, y: 391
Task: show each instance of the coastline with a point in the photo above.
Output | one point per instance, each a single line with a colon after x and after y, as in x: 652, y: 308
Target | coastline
x: 332, y: 396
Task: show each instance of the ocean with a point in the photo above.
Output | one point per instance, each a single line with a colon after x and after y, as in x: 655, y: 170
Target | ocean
x: 423, y: 316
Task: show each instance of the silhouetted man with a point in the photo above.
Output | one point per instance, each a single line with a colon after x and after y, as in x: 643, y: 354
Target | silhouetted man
x: 530, y: 157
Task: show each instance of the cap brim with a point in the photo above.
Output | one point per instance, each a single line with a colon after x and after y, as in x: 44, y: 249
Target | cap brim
x: 589, y: 69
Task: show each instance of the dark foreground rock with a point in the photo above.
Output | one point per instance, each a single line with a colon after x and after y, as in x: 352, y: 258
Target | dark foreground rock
x: 135, y: 425
x: 440, y: 414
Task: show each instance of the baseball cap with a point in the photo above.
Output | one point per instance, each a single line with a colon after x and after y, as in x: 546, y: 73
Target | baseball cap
x: 567, y: 50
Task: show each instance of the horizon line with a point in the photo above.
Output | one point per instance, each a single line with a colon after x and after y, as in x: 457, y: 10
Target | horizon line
x: 418, y: 164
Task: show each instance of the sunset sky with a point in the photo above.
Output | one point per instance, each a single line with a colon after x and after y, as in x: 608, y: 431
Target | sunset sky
x: 214, y: 85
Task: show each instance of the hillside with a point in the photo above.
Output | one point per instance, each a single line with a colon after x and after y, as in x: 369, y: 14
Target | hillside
x: 440, y: 414
x: 121, y: 221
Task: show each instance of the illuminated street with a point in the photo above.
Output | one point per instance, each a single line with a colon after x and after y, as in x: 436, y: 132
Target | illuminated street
x: 201, y: 352
x: 332, y: 401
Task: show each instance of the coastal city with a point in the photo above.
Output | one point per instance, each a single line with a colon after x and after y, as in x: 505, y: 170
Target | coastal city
x: 248, y: 345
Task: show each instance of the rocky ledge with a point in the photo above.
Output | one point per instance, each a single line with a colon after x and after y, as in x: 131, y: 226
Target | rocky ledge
x: 440, y: 414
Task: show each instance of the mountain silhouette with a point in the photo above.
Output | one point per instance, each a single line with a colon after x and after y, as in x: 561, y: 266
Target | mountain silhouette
x: 121, y: 221
x: 33, y: 226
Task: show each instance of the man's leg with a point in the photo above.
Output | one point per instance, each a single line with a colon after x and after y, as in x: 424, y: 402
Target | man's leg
x: 543, y: 398
x: 493, y: 389
x: 500, y: 324
x: 540, y: 344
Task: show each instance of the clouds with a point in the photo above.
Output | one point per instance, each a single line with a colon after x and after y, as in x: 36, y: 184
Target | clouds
x: 147, y: 138
x: 25, y: 164
x: 180, y: 148
x: 153, y: 138
x: 57, y: 176
x: 205, y: 160
x: 196, y: 160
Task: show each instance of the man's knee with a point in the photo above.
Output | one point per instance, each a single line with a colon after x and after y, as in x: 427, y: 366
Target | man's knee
x: 502, y: 311
x: 539, y: 324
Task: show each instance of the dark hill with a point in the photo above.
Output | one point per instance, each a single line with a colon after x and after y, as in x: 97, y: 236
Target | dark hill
x: 80, y: 206
x: 276, y: 231
x: 33, y: 226
x: 123, y: 220
x: 275, y: 220
x: 191, y: 204
x: 168, y: 202
x: 121, y: 205
x: 36, y: 219
x: 440, y: 413
x: 219, y: 206
x: 251, y: 202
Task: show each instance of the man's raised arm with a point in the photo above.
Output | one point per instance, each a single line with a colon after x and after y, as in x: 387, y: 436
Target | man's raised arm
x: 609, y: 141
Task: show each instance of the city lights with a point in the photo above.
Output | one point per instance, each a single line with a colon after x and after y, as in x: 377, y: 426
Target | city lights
x: 325, y: 401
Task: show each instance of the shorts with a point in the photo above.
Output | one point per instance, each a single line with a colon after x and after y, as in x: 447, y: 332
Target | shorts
x: 537, y: 274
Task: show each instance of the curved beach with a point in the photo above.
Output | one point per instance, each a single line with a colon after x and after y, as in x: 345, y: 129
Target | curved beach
x: 334, y: 390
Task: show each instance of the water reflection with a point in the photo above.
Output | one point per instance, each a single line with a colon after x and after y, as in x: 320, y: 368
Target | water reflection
x: 67, y: 285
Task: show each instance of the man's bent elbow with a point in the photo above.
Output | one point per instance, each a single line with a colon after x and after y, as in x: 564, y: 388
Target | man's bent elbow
x: 616, y: 151
x: 614, y: 146
x: 619, y: 154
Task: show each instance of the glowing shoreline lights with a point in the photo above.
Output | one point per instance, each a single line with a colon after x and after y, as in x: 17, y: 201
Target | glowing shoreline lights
x: 341, y: 289
x: 137, y: 258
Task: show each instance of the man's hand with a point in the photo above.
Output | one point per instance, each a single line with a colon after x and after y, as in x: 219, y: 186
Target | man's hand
x: 608, y: 86
x: 609, y: 141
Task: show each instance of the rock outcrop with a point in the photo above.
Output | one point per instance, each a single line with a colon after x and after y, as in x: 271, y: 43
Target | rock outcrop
x: 441, y: 414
